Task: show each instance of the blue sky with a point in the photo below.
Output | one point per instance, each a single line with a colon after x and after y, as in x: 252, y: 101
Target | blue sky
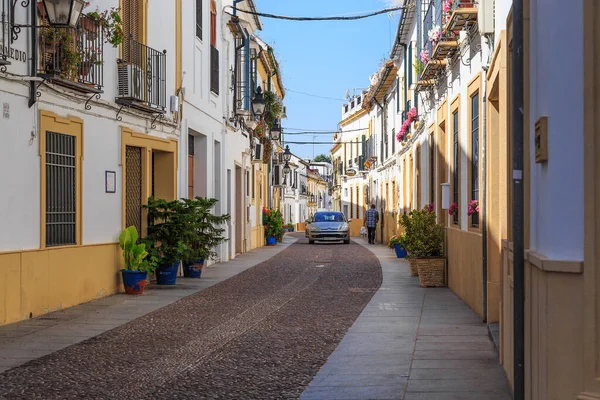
x: 325, y: 59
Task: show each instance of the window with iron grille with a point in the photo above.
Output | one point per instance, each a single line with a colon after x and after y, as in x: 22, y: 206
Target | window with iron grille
x: 191, y: 145
x: 455, y: 171
x: 199, y: 19
x: 475, y: 154
x: 61, y: 189
x: 214, y: 70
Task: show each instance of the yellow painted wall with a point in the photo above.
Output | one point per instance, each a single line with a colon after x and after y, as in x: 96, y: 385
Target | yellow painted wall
x: 42, y: 281
x: 465, y: 274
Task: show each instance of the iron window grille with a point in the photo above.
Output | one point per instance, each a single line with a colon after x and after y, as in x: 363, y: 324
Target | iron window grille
x: 61, y: 189
x: 191, y: 145
x: 199, y: 19
x: 475, y: 155
x: 214, y: 70
x: 5, y: 32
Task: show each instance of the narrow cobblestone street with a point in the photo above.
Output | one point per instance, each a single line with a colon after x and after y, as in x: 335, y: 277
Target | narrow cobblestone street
x: 264, y: 333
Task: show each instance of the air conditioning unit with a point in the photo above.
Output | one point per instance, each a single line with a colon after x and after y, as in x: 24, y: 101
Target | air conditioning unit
x: 485, y: 16
x: 131, y: 82
x: 258, y: 153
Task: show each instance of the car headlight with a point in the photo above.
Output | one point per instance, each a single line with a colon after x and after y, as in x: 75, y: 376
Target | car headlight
x: 344, y: 227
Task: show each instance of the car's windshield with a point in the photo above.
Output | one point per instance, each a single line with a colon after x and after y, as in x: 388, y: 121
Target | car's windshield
x: 329, y: 217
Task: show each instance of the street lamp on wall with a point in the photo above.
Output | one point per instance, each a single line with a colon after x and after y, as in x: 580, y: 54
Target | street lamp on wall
x: 286, y: 168
x: 258, y: 103
x: 287, y: 154
x: 63, y: 12
x: 276, y: 130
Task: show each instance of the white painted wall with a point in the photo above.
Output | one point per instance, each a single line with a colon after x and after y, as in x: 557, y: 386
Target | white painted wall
x: 19, y: 154
x: 557, y: 186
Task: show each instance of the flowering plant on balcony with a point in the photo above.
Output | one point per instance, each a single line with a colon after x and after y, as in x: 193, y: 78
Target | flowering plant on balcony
x: 473, y: 207
x: 412, y: 115
x: 434, y: 34
x: 447, y: 7
x: 453, y: 209
x: 424, y: 56
x: 430, y: 207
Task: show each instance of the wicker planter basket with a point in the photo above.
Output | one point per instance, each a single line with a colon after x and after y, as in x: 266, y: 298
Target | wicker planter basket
x: 413, y: 267
x: 432, y: 271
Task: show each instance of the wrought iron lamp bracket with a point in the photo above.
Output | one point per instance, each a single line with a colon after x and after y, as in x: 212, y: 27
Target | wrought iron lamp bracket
x: 87, y: 103
x: 16, y: 28
x: 118, y: 117
x: 160, y: 116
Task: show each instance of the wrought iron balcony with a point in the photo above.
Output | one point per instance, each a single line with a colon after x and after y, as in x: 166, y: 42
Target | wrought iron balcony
x: 73, y: 57
x: 142, y: 78
x: 463, y: 14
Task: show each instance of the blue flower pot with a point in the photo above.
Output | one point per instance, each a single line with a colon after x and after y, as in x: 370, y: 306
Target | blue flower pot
x: 400, y: 252
x: 271, y: 241
x: 134, y: 281
x: 167, y: 274
x: 193, y: 269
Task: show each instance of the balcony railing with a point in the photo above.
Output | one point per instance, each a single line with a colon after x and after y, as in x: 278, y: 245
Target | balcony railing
x: 143, y: 78
x: 73, y: 57
x: 5, y: 32
x: 462, y: 15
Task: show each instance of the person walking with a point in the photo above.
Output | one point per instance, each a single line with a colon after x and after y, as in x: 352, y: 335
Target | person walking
x: 371, y: 220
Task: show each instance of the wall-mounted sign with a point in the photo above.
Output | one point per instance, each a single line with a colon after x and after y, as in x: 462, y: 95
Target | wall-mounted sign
x: 351, y: 172
x: 14, y: 54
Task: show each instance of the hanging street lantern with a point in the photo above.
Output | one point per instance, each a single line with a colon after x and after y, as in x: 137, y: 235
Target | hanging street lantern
x: 286, y: 168
x: 63, y: 12
x: 276, y: 130
x: 258, y: 103
x: 287, y: 154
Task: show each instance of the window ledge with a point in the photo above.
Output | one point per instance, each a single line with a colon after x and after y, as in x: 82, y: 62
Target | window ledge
x: 552, y: 265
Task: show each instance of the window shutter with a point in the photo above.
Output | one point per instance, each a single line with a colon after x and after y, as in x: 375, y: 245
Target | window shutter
x: 246, y: 69
x: 213, y: 23
x: 276, y: 175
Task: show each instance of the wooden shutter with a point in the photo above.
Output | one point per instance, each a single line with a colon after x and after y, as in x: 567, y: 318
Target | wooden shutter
x: 131, y: 12
x: 213, y: 23
x: 199, y: 19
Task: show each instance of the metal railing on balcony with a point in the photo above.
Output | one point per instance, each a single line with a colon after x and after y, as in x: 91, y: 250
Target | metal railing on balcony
x: 73, y: 56
x: 142, y: 77
x: 5, y: 32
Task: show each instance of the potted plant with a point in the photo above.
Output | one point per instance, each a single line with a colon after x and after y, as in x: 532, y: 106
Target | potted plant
x: 473, y: 208
x: 111, y: 24
x: 168, y: 236
x: 206, y: 234
x: 273, y: 223
x: 424, y: 242
x: 290, y: 227
x: 397, y: 242
x: 136, y: 262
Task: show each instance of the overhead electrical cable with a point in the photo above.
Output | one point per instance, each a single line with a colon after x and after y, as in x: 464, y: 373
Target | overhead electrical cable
x: 332, y: 18
x: 321, y: 131
x: 314, y: 95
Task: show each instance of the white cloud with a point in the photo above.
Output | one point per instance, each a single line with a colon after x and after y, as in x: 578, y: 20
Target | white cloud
x: 393, y: 3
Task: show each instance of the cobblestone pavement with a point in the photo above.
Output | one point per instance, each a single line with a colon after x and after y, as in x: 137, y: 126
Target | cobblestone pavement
x: 262, y: 334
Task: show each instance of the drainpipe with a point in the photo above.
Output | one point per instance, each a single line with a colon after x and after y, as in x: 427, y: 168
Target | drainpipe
x: 34, y: 54
x: 235, y: 3
x: 383, y: 116
x: 518, y: 203
x: 483, y: 189
x: 405, y: 75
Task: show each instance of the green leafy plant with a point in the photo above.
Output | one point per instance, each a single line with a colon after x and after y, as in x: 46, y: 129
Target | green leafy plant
x: 62, y: 55
x: 169, y: 230
x: 397, y: 239
x: 272, y: 109
x: 135, y: 256
x: 206, y: 228
x: 111, y: 24
x: 322, y: 158
x: 424, y: 237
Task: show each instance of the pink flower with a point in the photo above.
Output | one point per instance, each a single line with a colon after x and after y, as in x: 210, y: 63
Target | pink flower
x: 473, y: 207
x: 430, y: 207
x: 424, y: 56
x: 453, y: 209
x: 412, y: 114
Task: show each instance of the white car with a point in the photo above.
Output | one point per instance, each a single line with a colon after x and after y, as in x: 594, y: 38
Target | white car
x: 328, y: 226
